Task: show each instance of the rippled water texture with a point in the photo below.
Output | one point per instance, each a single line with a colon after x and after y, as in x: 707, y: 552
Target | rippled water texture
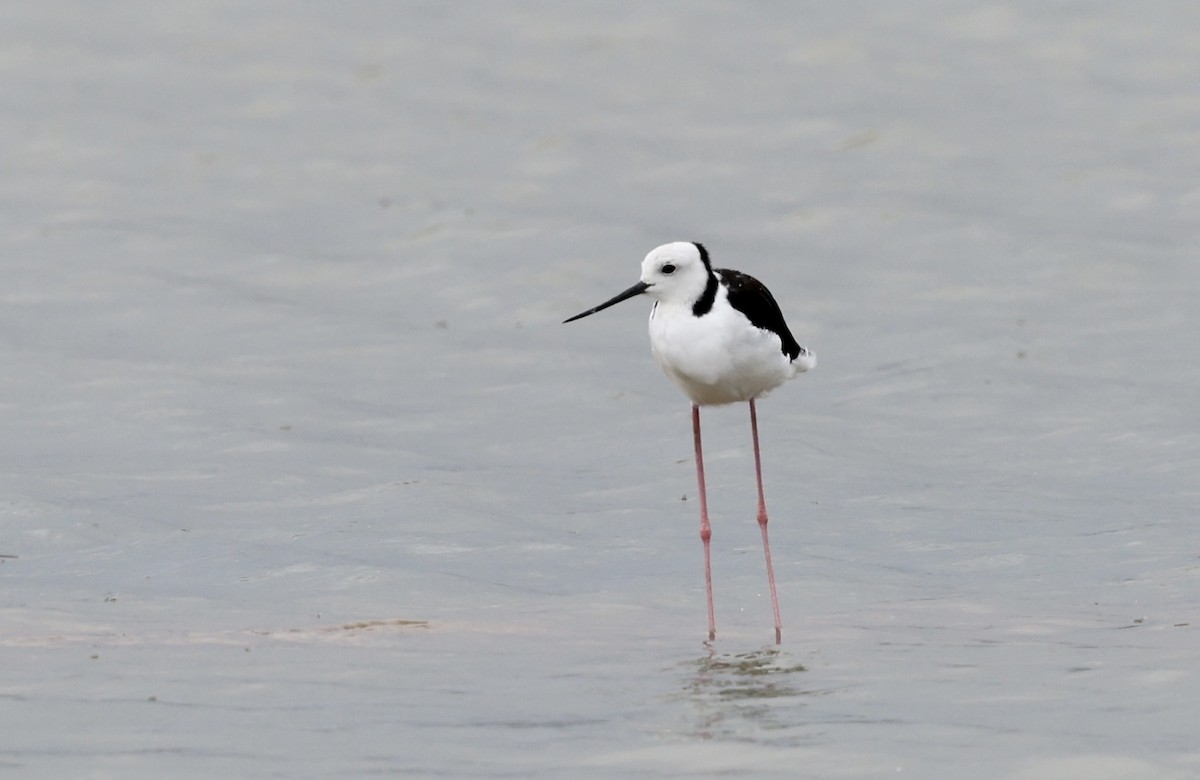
x: 303, y: 477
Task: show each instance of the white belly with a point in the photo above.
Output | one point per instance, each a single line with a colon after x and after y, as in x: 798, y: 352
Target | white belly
x: 719, y: 358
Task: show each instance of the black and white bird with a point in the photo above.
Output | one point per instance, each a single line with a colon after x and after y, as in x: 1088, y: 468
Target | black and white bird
x: 720, y: 336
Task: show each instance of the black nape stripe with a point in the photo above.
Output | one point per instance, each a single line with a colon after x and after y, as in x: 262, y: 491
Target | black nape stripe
x: 704, y: 303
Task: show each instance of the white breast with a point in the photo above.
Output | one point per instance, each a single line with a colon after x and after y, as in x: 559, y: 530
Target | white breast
x: 719, y: 358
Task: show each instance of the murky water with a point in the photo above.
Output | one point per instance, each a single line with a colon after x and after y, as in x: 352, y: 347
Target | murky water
x: 303, y: 477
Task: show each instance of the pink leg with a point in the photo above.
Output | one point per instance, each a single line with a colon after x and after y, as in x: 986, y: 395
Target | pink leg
x: 705, y: 528
x: 762, y: 520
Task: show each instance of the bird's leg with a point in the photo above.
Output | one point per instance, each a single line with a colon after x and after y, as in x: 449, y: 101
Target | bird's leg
x: 705, y: 528
x: 762, y: 517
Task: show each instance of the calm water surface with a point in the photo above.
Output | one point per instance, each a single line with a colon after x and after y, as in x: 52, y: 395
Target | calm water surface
x: 302, y: 477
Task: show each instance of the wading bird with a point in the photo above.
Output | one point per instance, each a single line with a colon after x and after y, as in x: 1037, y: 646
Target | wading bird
x: 720, y: 336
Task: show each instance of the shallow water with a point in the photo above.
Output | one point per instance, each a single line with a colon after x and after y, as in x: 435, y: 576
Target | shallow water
x: 303, y: 477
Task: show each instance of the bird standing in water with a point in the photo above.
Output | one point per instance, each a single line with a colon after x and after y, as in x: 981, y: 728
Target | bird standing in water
x: 720, y: 336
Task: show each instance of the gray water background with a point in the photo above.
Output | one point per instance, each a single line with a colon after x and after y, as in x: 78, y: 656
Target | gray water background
x: 302, y: 477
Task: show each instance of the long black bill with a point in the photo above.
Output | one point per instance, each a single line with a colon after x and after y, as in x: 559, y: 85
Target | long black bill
x: 637, y: 289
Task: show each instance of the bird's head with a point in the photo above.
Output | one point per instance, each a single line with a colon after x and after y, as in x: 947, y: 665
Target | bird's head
x: 678, y: 272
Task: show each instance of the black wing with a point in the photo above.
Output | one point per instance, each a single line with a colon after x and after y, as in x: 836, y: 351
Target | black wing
x: 752, y: 298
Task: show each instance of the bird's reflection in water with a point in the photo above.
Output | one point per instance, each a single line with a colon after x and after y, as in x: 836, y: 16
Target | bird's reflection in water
x: 750, y: 696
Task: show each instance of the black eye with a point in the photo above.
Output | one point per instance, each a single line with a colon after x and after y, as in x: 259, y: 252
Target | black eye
x: 669, y: 268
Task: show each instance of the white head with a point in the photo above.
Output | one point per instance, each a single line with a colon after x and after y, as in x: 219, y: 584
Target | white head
x: 672, y: 273
x: 676, y: 272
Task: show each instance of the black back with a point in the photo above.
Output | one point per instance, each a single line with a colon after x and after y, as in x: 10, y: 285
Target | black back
x: 752, y: 298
